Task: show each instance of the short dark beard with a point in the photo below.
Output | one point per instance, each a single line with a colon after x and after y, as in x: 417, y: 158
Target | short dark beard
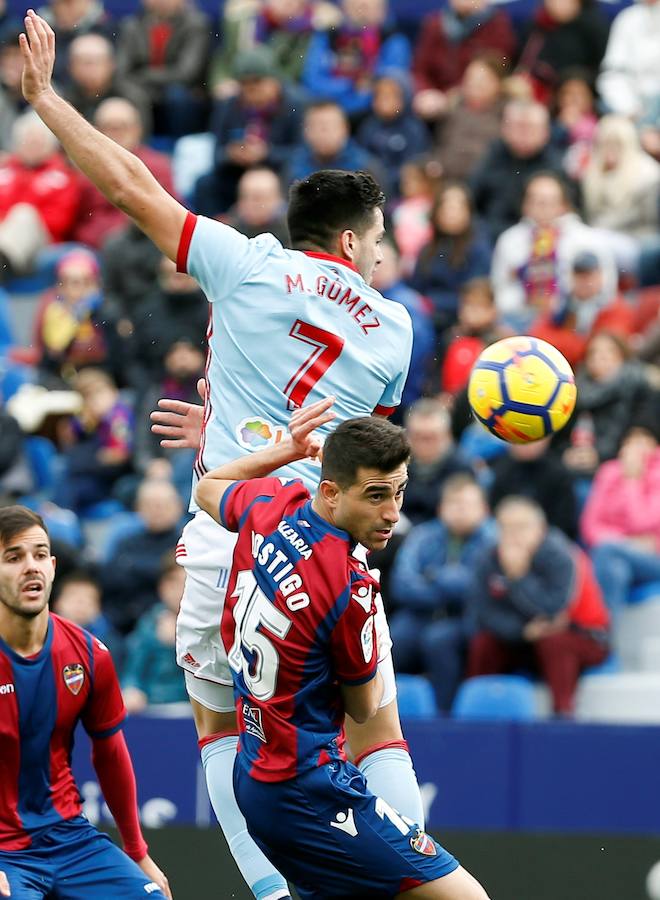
x: 24, y: 613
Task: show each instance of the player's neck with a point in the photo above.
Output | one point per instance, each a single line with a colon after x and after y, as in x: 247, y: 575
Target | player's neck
x: 25, y: 636
x: 322, y: 509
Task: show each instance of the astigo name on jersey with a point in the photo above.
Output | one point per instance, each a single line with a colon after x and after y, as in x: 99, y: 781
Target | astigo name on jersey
x: 280, y: 568
x: 338, y: 293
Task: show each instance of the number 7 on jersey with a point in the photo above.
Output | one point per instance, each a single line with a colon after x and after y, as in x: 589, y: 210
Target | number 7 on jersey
x: 326, y: 350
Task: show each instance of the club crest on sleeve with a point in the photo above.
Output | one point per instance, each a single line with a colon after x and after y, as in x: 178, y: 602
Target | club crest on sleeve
x: 74, y: 677
x: 423, y: 843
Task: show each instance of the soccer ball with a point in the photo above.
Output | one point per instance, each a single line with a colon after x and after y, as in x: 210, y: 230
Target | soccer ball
x: 522, y: 389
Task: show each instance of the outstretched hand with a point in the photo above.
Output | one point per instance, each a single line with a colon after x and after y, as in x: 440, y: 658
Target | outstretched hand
x: 303, y: 423
x: 179, y: 423
x: 37, y: 46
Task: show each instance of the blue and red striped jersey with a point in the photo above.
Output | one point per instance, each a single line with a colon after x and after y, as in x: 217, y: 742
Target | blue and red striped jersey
x: 42, y: 697
x: 298, y: 621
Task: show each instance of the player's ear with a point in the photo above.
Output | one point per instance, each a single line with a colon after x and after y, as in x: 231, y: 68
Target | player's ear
x: 348, y: 244
x: 329, y: 491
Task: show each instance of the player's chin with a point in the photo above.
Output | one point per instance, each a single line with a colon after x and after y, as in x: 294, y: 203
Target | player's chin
x: 378, y: 540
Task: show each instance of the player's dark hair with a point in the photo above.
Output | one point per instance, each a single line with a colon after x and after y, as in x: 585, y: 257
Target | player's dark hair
x: 370, y: 442
x: 16, y: 519
x: 329, y: 202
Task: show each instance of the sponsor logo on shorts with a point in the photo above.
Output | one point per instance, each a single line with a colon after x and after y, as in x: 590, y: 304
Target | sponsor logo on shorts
x: 423, y: 844
x: 74, y: 677
x: 252, y: 722
x: 344, y: 821
x: 190, y: 659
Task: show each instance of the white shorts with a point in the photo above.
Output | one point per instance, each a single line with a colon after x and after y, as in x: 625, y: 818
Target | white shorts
x: 205, y: 551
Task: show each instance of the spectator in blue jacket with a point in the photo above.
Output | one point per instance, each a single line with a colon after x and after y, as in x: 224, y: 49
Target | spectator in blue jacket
x: 327, y: 144
x: 78, y: 599
x: 432, y: 578
x: 458, y: 251
x: 151, y: 674
x: 341, y: 63
x: 259, y: 126
x: 387, y: 279
x: 392, y: 133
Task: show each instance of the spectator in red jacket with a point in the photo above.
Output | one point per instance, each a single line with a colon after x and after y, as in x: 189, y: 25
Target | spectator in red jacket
x: 120, y: 120
x: 537, y: 604
x: 38, y: 195
x: 447, y: 43
x: 621, y: 520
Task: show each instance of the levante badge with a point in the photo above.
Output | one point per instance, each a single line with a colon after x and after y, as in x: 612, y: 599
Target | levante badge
x: 74, y: 677
x: 423, y: 844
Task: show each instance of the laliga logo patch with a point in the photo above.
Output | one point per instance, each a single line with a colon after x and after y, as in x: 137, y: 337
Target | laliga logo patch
x: 74, y: 677
x: 423, y: 844
x: 367, y: 639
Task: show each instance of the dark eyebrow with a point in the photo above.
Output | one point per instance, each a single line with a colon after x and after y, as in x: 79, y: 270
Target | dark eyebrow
x: 16, y: 547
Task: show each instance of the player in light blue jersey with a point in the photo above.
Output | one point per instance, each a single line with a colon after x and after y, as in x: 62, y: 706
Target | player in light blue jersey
x: 287, y: 326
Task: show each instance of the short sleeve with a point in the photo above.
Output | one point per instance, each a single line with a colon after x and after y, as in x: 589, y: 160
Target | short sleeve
x: 391, y: 397
x: 241, y: 496
x: 218, y: 256
x: 353, y: 640
x: 104, y: 711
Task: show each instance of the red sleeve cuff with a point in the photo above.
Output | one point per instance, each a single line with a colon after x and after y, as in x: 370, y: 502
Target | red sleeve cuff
x: 384, y: 410
x: 184, y: 243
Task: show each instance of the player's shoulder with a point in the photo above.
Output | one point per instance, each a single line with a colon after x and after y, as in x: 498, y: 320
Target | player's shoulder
x: 212, y: 230
x: 67, y: 633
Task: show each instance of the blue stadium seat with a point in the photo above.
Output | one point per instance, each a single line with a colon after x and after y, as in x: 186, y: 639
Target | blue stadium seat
x: 415, y: 697
x: 104, y: 509
x: 644, y: 592
x: 509, y: 697
x: 42, y: 456
x: 123, y: 525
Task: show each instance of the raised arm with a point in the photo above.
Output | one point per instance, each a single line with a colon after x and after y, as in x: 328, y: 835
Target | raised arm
x: 300, y: 444
x: 117, y: 173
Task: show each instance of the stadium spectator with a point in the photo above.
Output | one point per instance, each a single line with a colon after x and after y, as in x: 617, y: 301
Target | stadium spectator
x: 151, y: 674
x: 523, y: 148
x: 93, y: 78
x: 174, y: 310
x: 431, y: 582
x: 71, y: 18
x: 327, y: 144
x: 164, y: 49
x: 182, y: 367
x: 621, y: 519
x: 342, y: 62
x: 78, y: 599
x: 120, y: 120
x: 16, y: 478
x: 448, y: 41
x: 130, y: 263
x: 630, y: 76
x: 621, y: 185
x: 529, y: 470
x: 137, y: 558
x: 537, y: 604
x: 458, y: 251
x: 560, y: 35
x: 38, y: 195
x: 12, y: 103
x: 612, y: 388
x: 576, y: 119
x: 433, y: 459
x: 285, y: 26
x: 98, y: 443
x: 71, y: 330
x: 411, y: 214
x: 532, y: 260
x: 260, y: 205
x: 391, y: 132
x: 476, y: 327
x: 471, y: 118
x: 259, y: 126
x: 649, y: 128
x: 590, y: 306
x: 388, y: 279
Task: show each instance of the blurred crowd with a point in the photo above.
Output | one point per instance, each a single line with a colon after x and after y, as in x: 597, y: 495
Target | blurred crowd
x: 519, y: 146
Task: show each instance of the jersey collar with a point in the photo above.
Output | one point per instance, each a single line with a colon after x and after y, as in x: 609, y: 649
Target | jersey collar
x: 31, y: 660
x: 329, y: 257
x: 319, y: 522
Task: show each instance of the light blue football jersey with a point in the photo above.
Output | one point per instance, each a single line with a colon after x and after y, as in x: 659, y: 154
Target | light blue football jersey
x: 287, y: 328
